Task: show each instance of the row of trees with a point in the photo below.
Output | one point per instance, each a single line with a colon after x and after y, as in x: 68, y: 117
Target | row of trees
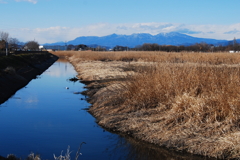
x: 13, y: 44
x: 82, y: 47
x: 198, y: 47
x: 7, y: 41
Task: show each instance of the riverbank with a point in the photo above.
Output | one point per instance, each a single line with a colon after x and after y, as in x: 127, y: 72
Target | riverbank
x: 18, y: 70
x: 184, y: 101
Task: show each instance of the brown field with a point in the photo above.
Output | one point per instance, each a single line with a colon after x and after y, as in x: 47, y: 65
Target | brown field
x: 186, y: 101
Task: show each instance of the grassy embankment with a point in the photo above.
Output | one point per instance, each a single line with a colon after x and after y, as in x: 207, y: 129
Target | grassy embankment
x: 186, y: 101
x: 17, y: 70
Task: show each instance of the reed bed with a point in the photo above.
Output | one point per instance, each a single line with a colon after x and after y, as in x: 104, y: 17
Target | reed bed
x: 186, y: 101
x: 215, y: 58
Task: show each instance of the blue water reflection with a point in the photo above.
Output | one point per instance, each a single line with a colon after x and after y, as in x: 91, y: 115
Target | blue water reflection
x: 45, y: 117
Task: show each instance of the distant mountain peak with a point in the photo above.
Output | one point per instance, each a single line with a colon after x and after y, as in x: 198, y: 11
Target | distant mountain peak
x: 114, y: 34
x: 171, y: 38
x: 171, y: 34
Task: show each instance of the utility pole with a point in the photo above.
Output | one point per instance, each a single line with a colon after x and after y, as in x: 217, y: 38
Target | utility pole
x: 6, y: 44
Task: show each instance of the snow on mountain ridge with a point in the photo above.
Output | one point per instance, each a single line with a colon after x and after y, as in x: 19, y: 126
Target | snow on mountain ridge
x: 172, y: 38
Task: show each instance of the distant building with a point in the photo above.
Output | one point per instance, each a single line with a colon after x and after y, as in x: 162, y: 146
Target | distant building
x: 55, y: 47
x: 41, y: 48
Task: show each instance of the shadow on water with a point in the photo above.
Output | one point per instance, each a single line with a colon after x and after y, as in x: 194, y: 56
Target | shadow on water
x: 133, y: 149
x: 73, y: 79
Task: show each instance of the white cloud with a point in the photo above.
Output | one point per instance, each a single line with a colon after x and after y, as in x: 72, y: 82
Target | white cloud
x: 57, y: 33
x: 2, y: 1
x: 31, y: 1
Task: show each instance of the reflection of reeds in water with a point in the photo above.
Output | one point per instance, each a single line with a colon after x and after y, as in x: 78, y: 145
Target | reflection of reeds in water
x: 62, y: 59
x: 128, y: 148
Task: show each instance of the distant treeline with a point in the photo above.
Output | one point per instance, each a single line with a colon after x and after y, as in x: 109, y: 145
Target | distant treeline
x: 83, y: 47
x: 198, y: 47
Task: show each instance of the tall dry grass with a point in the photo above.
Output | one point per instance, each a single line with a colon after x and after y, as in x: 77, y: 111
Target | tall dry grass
x: 187, y: 101
x: 190, y: 108
x: 155, y: 56
x: 195, y: 106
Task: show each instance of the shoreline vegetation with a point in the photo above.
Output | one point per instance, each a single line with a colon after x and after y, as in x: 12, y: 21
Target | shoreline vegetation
x: 183, y: 101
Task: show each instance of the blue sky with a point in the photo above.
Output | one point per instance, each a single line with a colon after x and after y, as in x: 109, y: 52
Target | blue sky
x: 49, y: 21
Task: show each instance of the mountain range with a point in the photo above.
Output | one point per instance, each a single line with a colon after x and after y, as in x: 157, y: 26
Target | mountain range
x: 172, y: 38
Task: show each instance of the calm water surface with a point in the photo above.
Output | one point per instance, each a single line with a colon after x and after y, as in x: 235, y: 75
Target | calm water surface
x: 45, y: 118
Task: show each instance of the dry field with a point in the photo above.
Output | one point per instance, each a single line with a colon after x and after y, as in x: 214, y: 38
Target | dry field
x: 186, y: 101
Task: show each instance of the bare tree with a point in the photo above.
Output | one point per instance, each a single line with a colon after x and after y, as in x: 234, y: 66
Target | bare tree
x: 235, y: 44
x: 13, y: 43
x: 2, y: 45
x: 4, y: 36
x: 32, y: 45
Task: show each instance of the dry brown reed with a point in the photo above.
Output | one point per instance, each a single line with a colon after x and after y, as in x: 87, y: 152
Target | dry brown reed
x: 155, y: 56
x: 189, y: 101
x: 199, y: 103
x: 189, y: 108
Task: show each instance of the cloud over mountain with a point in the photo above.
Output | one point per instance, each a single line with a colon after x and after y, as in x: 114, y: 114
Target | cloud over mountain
x: 58, y: 33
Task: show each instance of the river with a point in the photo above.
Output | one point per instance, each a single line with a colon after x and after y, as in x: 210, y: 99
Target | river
x: 45, y: 118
